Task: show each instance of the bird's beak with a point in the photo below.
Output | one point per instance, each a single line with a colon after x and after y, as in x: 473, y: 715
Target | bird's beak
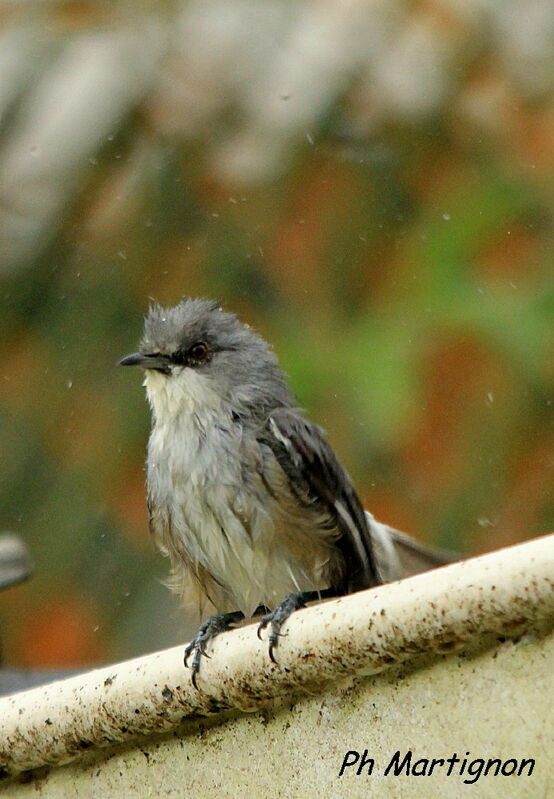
x: 158, y: 362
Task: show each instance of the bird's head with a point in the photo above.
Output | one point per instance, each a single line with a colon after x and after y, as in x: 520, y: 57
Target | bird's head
x: 196, y: 353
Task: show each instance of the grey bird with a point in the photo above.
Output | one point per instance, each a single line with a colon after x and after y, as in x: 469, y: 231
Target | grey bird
x: 245, y: 495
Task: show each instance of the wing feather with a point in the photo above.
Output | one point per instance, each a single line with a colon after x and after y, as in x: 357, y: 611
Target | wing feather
x: 302, y: 450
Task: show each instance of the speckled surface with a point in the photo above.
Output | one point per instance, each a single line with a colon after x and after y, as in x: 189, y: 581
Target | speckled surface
x: 488, y: 696
x: 496, y: 703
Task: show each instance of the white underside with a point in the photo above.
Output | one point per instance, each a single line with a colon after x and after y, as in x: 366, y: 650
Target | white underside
x: 213, y: 509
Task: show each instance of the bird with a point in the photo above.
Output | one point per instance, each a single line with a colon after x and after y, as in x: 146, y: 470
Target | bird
x: 245, y: 495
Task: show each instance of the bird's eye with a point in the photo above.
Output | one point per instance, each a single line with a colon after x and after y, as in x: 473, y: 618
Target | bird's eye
x: 198, y: 351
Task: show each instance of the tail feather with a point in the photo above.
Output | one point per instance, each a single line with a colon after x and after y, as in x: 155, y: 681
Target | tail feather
x: 398, y: 555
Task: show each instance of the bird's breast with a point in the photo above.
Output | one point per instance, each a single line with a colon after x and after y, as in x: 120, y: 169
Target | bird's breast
x: 220, y: 500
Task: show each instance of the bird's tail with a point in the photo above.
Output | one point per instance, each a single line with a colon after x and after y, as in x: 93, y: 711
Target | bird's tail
x: 398, y: 555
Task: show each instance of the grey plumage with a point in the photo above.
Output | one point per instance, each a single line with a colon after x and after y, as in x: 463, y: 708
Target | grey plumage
x: 245, y: 495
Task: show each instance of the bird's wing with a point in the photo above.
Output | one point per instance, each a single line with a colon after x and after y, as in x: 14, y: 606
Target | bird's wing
x: 309, y: 462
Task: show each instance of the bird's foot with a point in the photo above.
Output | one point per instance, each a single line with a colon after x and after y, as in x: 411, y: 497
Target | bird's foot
x: 208, y: 630
x: 276, y: 618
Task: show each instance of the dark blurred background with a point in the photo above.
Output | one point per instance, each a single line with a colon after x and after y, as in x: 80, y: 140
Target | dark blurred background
x: 368, y: 183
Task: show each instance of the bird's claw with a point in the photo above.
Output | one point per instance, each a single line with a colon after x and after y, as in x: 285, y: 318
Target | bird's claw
x: 275, y: 620
x: 207, y: 631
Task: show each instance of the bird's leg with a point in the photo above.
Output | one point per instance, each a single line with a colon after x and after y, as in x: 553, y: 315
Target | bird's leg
x: 276, y: 618
x: 208, y: 630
